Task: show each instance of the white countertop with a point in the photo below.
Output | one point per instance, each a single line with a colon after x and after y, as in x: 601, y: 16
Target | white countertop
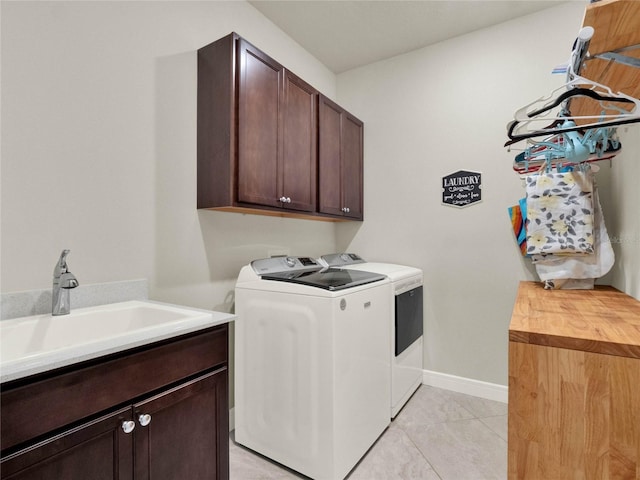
x: 39, y: 343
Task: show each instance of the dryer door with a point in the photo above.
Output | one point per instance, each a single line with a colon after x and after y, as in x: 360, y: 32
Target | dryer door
x: 408, y: 320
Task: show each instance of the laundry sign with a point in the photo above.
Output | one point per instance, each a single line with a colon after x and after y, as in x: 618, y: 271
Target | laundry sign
x: 462, y: 188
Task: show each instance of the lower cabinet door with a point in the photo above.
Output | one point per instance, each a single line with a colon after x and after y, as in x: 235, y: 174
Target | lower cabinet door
x: 183, y: 433
x: 96, y: 450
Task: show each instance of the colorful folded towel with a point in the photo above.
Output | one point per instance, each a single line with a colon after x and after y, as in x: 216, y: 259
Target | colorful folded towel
x: 518, y: 216
x: 560, y: 213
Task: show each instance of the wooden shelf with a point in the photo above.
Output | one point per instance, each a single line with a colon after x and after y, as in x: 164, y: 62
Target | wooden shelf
x: 616, y: 25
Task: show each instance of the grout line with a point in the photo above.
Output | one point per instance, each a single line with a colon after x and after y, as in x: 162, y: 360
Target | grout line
x: 421, y: 453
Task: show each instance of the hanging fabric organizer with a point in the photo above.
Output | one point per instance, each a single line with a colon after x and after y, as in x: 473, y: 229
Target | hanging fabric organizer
x: 560, y: 213
x: 564, y: 231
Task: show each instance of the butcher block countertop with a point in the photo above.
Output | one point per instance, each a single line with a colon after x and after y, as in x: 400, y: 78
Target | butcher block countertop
x: 603, y: 320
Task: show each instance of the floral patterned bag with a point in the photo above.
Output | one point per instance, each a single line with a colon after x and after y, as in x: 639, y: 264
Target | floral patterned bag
x: 560, y: 213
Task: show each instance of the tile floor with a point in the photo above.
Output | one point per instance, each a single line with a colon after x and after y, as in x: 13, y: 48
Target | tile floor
x: 439, y: 434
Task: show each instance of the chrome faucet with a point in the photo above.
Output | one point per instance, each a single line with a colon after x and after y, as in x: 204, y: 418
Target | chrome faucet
x: 63, y: 281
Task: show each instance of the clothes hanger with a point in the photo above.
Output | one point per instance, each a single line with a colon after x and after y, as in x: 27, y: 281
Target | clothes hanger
x: 570, y: 148
x: 575, y: 87
x: 517, y: 137
x: 524, y: 115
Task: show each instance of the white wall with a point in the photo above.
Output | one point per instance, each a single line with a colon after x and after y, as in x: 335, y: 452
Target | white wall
x: 620, y: 206
x: 444, y: 108
x: 99, y: 148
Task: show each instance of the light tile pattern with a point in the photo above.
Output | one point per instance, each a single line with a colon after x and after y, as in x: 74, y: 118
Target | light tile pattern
x: 439, y: 434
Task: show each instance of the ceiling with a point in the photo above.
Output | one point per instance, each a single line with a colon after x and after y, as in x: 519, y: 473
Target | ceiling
x: 345, y: 34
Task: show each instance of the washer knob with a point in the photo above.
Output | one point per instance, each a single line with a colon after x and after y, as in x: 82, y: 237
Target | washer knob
x: 290, y: 261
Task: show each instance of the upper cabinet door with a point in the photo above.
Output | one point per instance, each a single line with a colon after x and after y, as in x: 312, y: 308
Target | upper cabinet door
x: 352, y: 168
x: 259, y: 126
x: 329, y: 158
x: 340, y: 161
x: 299, y: 145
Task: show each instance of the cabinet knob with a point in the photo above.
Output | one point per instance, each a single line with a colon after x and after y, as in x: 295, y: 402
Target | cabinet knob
x: 345, y: 209
x: 283, y: 199
x: 144, y: 419
x: 288, y: 199
x: 128, y: 426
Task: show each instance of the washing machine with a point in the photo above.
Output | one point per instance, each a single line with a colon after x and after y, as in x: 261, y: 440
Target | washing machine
x: 406, y: 322
x: 312, y: 369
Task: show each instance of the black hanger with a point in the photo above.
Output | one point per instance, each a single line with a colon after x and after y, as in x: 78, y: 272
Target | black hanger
x: 550, y: 131
x: 579, y: 92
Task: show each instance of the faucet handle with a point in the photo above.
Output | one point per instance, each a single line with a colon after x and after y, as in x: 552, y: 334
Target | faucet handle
x: 68, y: 280
x: 61, y: 266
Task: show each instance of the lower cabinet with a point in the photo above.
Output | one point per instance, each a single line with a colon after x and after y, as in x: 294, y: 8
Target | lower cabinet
x: 182, y: 438
x: 177, y: 432
x: 97, y: 450
x: 574, y: 376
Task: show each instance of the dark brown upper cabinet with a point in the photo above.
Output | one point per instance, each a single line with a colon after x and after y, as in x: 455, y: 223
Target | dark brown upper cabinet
x: 257, y: 132
x: 269, y: 143
x: 340, y: 161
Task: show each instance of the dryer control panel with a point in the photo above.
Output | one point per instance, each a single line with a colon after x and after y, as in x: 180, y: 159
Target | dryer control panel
x: 341, y: 259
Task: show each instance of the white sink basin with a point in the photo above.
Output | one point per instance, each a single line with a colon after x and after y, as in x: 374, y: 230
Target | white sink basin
x: 35, y: 344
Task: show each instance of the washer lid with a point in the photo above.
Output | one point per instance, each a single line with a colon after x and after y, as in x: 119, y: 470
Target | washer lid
x: 332, y: 279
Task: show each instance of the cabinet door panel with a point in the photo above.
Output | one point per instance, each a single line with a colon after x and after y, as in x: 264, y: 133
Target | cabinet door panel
x: 339, y: 161
x: 97, y: 450
x: 329, y: 159
x: 259, y: 129
x: 299, y: 154
x: 188, y: 435
x: 352, y: 142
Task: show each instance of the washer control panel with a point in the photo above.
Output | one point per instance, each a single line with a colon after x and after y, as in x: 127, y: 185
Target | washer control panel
x: 268, y: 266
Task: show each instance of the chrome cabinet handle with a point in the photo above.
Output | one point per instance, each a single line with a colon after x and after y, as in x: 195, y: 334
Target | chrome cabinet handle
x: 283, y: 199
x: 144, y: 419
x: 128, y: 426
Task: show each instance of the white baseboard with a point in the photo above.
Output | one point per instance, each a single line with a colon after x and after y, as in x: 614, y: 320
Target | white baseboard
x: 468, y: 386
